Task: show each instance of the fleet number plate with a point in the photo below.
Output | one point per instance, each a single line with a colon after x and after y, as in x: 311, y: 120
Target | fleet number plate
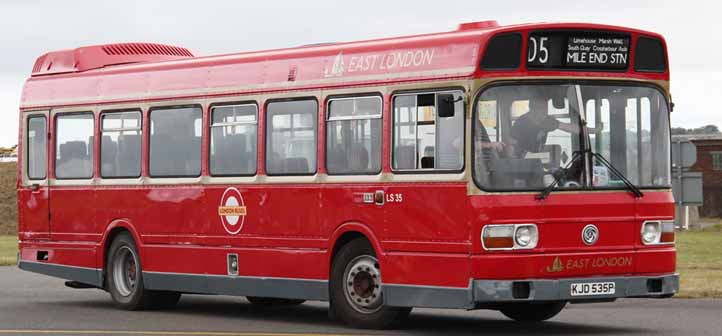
x: 592, y: 288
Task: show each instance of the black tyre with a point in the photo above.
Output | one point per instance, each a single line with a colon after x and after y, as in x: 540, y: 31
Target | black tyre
x: 125, y: 278
x: 532, y: 312
x: 356, y: 289
x: 265, y: 301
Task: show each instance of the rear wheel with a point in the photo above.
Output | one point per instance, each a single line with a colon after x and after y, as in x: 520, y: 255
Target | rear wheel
x: 356, y: 288
x: 266, y: 301
x: 125, y: 278
x: 532, y: 312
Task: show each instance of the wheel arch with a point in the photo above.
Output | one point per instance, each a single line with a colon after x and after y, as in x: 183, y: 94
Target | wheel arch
x: 347, y: 232
x: 113, y: 229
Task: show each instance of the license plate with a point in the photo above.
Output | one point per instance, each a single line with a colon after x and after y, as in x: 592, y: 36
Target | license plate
x: 592, y: 288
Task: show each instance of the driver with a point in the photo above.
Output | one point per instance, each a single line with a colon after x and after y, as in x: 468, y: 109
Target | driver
x: 530, y: 130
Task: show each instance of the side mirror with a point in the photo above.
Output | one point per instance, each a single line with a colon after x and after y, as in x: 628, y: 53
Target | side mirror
x: 445, y: 105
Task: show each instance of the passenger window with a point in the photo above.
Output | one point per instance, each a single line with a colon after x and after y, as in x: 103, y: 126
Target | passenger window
x: 36, y: 144
x: 291, y: 137
x: 353, y: 140
x: 175, y: 141
x: 234, y: 140
x: 424, y: 140
x: 74, y: 146
x: 120, y: 144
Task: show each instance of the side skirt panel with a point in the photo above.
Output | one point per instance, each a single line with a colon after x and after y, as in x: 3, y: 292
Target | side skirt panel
x: 428, y: 296
x: 89, y: 276
x: 306, y: 289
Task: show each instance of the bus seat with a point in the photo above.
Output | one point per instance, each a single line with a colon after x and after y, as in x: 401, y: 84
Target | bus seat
x: 161, y: 159
x: 336, y: 160
x: 73, y: 150
x: 358, y: 159
x: 405, y: 157
x: 73, y: 158
x: 108, y: 154
x: 231, y: 154
x: 274, y: 163
x: 427, y: 162
x: 238, y: 154
x: 429, y: 151
x: 247, y: 161
x: 91, y: 145
x: 296, y: 165
x: 192, y: 155
x: 129, y: 152
x: 221, y: 151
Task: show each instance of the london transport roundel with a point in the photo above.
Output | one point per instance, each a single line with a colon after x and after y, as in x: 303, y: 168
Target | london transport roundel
x: 232, y: 210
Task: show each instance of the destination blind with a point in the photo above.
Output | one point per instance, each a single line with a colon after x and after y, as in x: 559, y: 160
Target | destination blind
x: 572, y: 50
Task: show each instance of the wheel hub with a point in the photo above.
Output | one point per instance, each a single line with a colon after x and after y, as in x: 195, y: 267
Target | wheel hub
x: 363, y: 284
x: 125, y: 271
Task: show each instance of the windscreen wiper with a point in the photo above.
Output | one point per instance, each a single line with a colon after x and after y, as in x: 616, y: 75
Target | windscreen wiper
x: 545, y: 193
x: 633, y: 188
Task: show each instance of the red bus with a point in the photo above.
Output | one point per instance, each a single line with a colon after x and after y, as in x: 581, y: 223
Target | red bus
x: 515, y: 168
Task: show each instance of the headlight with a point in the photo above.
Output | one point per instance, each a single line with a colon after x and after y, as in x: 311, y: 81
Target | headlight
x: 655, y: 232
x: 523, y: 236
x: 651, y: 232
x: 509, y: 237
x: 526, y: 236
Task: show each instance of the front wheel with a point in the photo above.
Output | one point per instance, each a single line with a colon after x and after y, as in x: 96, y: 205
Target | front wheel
x: 356, y: 288
x: 532, y: 312
x: 125, y: 278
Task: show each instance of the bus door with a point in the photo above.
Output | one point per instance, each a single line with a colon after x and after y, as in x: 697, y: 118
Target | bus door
x: 72, y: 196
x: 427, y: 150
x: 33, y: 194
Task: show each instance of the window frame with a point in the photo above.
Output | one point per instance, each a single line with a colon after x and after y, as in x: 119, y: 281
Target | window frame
x: 535, y: 81
x: 56, y: 145
x: 268, y: 123
x: 717, y: 154
x: 328, y: 119
x: 150, y: 123
x: 103, y: 113
x: 210, y: 133
x: 27, y: 147
x: 392, y: 150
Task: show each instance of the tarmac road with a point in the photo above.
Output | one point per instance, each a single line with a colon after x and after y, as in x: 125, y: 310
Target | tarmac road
x: 32, y: 304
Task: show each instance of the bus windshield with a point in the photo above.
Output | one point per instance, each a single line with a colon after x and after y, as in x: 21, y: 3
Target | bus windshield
x: 526, y: 136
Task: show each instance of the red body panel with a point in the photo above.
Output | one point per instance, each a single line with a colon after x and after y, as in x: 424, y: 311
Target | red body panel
x: 33, y: 210
x: 429, y: 236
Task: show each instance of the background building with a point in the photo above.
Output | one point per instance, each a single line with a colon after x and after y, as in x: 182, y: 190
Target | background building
x: 709, y: 163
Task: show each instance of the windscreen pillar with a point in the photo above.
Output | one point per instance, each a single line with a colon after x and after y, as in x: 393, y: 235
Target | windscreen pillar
x: 618, y: 135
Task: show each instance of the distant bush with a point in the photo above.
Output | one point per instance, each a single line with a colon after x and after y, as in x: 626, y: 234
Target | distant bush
x: 8, y: 198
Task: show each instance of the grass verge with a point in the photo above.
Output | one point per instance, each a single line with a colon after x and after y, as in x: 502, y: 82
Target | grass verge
x: 8, y: 198
x: 699, y: 263
x: 8, y: 250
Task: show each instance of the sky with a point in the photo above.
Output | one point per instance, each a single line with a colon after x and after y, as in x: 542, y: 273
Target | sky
x: 30, y: 28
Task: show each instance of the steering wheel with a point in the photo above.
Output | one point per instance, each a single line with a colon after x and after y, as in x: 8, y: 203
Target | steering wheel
x: 565, y: 178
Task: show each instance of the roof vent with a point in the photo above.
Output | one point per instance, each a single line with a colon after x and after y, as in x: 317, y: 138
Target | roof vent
x: 145, y: 49
x: 478, y: 25
x: 94, y: 57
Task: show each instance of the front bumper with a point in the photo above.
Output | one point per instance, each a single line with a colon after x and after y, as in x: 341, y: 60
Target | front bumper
x: 560, y: 289
x: 490, y: 292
